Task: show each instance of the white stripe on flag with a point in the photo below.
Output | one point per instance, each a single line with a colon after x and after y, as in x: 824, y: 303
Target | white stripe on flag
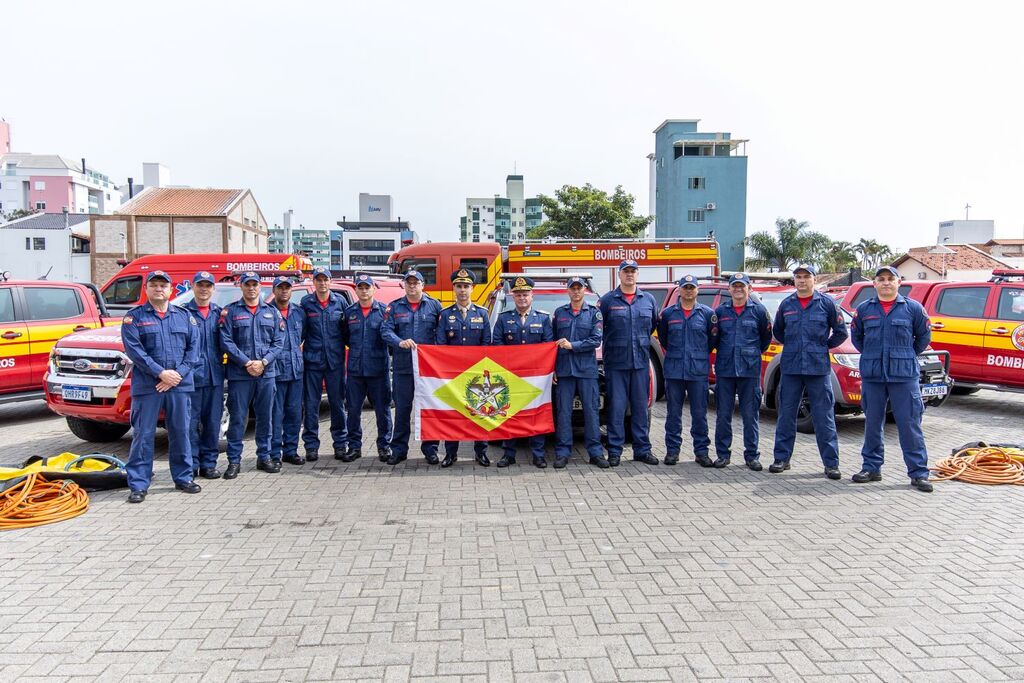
x: 426, y: 386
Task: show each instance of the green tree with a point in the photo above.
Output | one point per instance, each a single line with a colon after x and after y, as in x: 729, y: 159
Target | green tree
x: 792, y: 243
x: 872, y: 253
x: 839, y: 258
x: 589, y: 213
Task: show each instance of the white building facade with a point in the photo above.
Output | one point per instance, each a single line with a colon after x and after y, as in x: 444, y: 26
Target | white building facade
x: 46, y: 245
x: 501, y: 219
x: 49, y: 183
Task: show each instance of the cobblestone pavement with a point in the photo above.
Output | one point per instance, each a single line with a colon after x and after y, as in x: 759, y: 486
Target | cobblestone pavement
x: 361, y: 571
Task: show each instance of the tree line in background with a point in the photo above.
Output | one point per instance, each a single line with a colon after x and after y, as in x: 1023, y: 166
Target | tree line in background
x: 794, y: 243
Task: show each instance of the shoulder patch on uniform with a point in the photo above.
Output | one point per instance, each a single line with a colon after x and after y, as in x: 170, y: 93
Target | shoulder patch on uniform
x: 127, y: 320
x: 192, y: 320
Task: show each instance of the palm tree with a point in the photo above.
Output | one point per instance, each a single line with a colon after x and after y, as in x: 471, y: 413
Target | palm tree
x: 793, y: 243
x: 839, y: 258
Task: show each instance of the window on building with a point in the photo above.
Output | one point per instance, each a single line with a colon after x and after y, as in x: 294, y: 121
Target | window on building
x: 490, y: 209
x: 79, y: 245
x: 695, y: 215
x: 52, y: 303
x: 696, y: 183
x: 368, y: 260
x: 40, y: 206
x: 963, y: 302
x: 40, y: 184
x: 371, y: 245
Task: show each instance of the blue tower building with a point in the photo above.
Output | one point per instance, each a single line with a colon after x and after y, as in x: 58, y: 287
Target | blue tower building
x: 700, y: 182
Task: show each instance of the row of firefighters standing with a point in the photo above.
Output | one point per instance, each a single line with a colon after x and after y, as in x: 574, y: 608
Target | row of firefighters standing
x: 282, y: 355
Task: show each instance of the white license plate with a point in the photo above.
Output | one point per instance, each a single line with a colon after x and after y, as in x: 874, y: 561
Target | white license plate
x: 934, y: 390
x: 577, y: 404
x: 76, y: 393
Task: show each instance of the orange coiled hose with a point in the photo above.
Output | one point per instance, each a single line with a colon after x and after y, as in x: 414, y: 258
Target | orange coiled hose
x: 990, y: 465
x: 35, y: 501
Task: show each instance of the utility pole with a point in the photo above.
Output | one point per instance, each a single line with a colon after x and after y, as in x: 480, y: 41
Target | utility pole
x: 967, y: 211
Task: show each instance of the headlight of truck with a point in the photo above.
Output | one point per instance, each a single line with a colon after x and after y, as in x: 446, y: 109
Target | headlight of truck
x: 847, y: 360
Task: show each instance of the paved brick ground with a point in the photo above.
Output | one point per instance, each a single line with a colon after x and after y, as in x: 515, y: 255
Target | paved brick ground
x: 640, y: 573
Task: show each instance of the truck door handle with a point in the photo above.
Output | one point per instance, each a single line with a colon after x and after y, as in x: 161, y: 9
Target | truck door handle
x: 10, y: 335
x: 938, y: 326
x: 1000, y: 330
x: 80, y: 328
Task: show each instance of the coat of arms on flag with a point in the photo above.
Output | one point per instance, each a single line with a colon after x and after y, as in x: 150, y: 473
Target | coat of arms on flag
x: 479, y: 393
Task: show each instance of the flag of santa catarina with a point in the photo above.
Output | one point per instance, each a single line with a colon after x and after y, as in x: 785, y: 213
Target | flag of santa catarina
x: 481, y: 393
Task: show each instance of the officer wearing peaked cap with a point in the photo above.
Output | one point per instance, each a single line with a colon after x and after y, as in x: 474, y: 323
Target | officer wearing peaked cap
x: 523, y: 325
x: 162, y: 342
x: 744, y: 333
x: 207, y: 401
x: 688, y: 331
x: 808, y: 324
x: 252, y: 336
x: 890, y: 330
x: 369, y: 370
x: 323, y: 357
x: 464, y: 324
x: 630, y: 317
x: 288, y: 396
x: 408, y: 322
x: 578, y: 327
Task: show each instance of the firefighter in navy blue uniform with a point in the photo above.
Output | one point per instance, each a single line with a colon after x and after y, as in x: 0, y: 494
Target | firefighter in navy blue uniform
x: 162, y: 342
x: 252, y: 335
x: 744, y: 333
x: 630, y: 316
x: 207, y: 401
x: 807, y: 324
x: 284, y: 440
x: 408, y: 321
x: 890, y: 331
x: 578, y: 327
x: 688, y: 331
x: 523, y: 325
x: 464, y: 324
x: 369, y: 370
x: 323, y: 356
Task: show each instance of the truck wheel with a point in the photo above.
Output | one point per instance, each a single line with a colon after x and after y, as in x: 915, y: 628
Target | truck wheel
x: 96, y: 432
x: 804, y: 423
x: 965, y: 391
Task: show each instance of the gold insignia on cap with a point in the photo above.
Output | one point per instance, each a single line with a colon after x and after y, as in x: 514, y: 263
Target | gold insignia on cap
x: 463, y: 273
x: 520, y: 282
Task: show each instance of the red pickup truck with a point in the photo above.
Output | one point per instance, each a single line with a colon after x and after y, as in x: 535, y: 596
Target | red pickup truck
x: 88, y: 380
x: 34, y: 314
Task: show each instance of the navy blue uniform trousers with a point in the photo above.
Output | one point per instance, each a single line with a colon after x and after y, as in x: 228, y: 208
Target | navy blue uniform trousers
x: 314, y: 379
x: 204, y: 433
x: 749, y: 391
x: 565, y: 391
x: 822, y: 402
x: 378, y: 390
x: 907, y: 407
x: 259, y: 394
x: 288, y: 398
x: 676, y: 391
x: 622, y: 388
x: 145, y: 412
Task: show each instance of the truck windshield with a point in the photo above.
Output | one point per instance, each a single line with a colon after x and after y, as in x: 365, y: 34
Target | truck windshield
x: 222, y: 296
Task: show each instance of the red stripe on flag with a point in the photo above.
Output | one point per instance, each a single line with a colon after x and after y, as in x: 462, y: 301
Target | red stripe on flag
x: 453, y: 426
x: 524, y: 360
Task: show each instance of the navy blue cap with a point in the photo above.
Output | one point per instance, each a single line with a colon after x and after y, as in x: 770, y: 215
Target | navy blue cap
x: 628, y: 263
x: 283, y: 280
x: 464, y: 276
x: 249, y: 276
x: 415, y: 274
x: 522, y: 284
x: 158, y: 274
x: 576, y: 280
x: 888, y: 269
x: 322, y: 270
x: 364, y: 279
x: 739, y: 277
x: 203, y: 276
x: 806, y: 266
x: 690, y: 280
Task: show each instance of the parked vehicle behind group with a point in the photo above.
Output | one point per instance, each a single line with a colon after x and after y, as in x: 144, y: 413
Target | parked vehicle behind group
x: 34, y: 314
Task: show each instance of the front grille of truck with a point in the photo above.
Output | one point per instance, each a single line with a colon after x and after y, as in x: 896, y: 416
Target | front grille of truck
x: 89, y: 363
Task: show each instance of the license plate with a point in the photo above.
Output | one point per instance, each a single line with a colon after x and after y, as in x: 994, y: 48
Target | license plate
x: 577, y: 404
x: 76, y: 393
x: 934, y: 390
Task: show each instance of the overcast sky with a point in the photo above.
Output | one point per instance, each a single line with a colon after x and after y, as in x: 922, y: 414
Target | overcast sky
x: 868, y: 119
